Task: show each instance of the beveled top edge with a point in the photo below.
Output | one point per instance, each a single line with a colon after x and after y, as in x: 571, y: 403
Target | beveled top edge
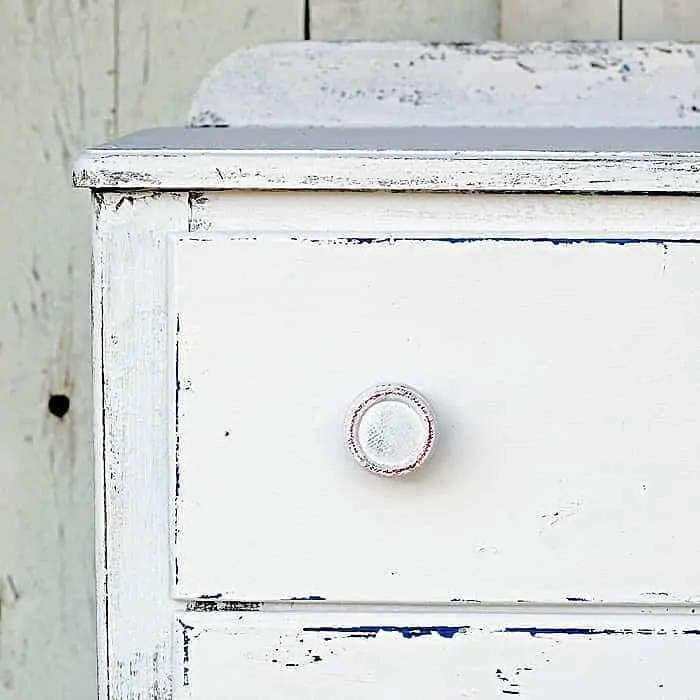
x: 472, y: 139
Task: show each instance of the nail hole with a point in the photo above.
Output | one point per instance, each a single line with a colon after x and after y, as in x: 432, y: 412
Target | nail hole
x: 59, y: 405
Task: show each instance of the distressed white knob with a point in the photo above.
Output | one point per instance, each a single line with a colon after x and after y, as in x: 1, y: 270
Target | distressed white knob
x: 391, y: 429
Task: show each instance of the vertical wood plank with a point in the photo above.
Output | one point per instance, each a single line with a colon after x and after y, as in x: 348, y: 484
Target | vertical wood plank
x: 56, y: 88
x: 425, y: 20
x: 166, y: 48
x: 661, y: 19
x: 526, y: 20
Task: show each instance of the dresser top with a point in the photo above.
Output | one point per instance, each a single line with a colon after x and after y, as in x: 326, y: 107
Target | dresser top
x: 614, y: 159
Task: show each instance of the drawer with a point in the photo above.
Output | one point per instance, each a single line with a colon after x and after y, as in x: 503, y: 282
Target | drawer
x: 563, y: 379
x: 441, y: 655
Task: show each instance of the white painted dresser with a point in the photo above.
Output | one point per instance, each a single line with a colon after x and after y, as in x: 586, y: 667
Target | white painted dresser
x: 513, y: 512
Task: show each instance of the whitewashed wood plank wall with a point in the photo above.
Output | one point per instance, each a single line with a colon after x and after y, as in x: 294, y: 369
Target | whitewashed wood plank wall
x: 661, y: 19
x: 560, y: 19
x: 511, y: 20
x: 425, y: 20
x: 74, y: 72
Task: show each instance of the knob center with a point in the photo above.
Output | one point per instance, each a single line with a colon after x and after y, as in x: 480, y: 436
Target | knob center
x: 391, y: 429
x: 392, y: 433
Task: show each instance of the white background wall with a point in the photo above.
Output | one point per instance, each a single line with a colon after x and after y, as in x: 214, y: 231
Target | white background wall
x: 74, y: 72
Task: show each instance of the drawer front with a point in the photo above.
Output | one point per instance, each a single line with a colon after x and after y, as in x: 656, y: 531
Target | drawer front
x: 418, y: 656
x: 564, y: 381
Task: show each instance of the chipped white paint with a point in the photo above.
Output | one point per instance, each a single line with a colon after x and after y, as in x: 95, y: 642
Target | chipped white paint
x: 75, y: 72
x: 133, y: 402
x: 386, y: 20
x: 415, y: 214
x: 172, y: 390
x: 661, y: 19
x: 541, y: 84
x: 499, y: 160
x: 548, y: 387
x: 414, y: 655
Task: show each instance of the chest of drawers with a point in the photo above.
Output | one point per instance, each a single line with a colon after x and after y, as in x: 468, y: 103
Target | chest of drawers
x: 397, y: 411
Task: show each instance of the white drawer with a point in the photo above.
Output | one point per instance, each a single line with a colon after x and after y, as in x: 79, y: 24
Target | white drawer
x: 438, y: 655
x: 565, y: 382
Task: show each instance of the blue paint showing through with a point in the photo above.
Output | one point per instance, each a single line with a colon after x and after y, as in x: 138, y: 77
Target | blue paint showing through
x: 371, y: 631
x: 177, y: 448
x: 585, y: 631
x: 354, y: 240
x: 406, y: 632
x: 310, y: 597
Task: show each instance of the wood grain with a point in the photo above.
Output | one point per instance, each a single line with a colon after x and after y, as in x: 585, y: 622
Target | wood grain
x: 427, y: 20
x: 56, y: 64
x: 69, y: 69
x: 132, y: 445
x: 526, y: 20
x: 165, y: 49
x: 678, y: 20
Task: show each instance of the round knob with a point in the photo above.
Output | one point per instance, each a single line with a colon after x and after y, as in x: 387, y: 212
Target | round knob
x: 391, y: 429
